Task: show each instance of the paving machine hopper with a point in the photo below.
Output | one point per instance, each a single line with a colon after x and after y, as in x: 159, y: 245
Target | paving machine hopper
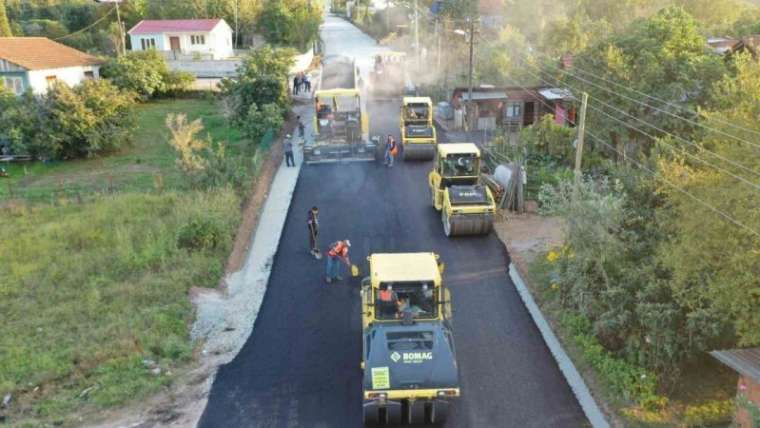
x: 467, y: 205
x: 341, y: 121
x: 418, y: 136
x: 408, y: 356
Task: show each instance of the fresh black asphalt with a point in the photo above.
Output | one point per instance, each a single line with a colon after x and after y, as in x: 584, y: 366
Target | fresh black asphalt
x: 300, y: 367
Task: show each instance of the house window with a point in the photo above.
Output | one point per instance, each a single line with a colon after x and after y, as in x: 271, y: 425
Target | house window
x: 512, y: 111
x: 50, y: 81
x: 197, y: 40
x: 148, y: 43
x: 89, y: 75
x: 14, y: 84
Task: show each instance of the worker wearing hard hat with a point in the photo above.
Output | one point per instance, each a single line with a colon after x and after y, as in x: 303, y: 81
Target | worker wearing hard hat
x: 338, y: 253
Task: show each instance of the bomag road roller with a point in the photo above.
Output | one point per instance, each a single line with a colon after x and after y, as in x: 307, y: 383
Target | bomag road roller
x: 467, y: 206
x: 417, y: 130
x: 341, y: 122
x: 410, y: 369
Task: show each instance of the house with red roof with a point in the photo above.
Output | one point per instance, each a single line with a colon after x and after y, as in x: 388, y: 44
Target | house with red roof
x: 205, y: 38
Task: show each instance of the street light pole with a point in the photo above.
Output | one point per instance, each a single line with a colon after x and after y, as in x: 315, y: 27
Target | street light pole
x: 469, y: 92
x: 417, y: 33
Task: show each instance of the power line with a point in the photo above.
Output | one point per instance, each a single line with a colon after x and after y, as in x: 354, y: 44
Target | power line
x: 668, y: 103
x: 718, y: 211
x: 655, y: 175
x: 740, y: 178
x: 87, y: 27
x: 606, y: 89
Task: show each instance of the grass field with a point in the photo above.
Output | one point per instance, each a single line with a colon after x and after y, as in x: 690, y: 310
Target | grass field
x: 135, y: 168
x: 94, y: 291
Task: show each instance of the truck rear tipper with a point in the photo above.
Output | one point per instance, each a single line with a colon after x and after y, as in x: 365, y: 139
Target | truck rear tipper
x: 341, y: 121
x: 408, y: 356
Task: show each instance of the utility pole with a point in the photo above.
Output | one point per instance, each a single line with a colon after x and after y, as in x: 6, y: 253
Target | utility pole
x: 237, y: 28
x: 122, y: 36
x: 388, y: 16
x: 469, y: 79
x: 417, y: 33
x: 438, y: 42
x: 579, y: 141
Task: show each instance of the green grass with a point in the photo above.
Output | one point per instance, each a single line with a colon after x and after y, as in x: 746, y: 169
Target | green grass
x: 134, y: 168
x: 93, y: 282
x: 89, y: 290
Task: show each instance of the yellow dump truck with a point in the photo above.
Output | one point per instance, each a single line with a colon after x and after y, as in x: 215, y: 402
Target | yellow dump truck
x: 341, y: 121
x: 408, y: 356
x: 467, y: 205
x: 418, y: 136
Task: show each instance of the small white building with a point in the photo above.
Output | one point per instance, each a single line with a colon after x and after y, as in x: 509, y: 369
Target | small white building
x: 207, y: 38
x: 38, y: 63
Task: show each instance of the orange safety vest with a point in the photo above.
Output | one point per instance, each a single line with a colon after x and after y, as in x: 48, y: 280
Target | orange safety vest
x: 339, y: 249
x: 386, y: 295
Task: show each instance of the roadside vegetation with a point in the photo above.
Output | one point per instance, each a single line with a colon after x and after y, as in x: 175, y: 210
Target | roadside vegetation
x: 660, y: 261
x: 101, y: 244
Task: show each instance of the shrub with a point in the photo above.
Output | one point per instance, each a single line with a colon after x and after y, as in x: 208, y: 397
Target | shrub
x: 145, y: 73
x: 709, y: 413
x: 261, y: 120
x: 88, y: 120
x: 624, y: 379
x: 200, y: 233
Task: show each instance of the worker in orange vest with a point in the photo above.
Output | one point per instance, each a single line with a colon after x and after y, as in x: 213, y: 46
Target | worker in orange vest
x: 338, y: 253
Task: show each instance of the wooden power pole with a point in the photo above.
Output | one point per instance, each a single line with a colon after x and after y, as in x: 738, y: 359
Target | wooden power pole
x: 579, y: 141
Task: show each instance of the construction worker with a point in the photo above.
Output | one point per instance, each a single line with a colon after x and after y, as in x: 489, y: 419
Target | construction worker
x: 289, y: 160
x: 312, y: 223
x: 300, y: 127
x: 338, y: 253
x: 391, y: 150
x: 388, y: 300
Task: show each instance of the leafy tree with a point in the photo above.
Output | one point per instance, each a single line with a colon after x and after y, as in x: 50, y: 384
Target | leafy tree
x: 503, y: 62
x: 262, y: 79
x: 146, y: 74
x: 262, y: 120
x: 663, y: 55
x: 715, y: 263
x: 293, y: 23
x: 5, y: 26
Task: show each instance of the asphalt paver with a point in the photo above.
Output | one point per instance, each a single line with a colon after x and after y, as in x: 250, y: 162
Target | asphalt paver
x: 300, y: 366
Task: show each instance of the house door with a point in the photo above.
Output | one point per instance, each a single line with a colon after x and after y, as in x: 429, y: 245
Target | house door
x: 529, y: 115
x: 174, y: 43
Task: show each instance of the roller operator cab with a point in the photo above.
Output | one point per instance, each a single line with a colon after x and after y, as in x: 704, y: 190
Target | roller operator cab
x: 418, y: 136
x: 408, y: 355
x: 467, y: 206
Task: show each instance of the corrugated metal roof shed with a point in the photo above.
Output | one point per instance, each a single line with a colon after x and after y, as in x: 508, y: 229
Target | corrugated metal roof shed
x: 553, y: 94
x: 745, y: 361
x: 485, y: 96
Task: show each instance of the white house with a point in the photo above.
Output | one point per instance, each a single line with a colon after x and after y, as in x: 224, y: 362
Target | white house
x: 38, y: 63
x: 205, y: 37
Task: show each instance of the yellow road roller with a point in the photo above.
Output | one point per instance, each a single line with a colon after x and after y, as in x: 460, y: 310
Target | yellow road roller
x: 467, y: 205
x: 417, y: 131
x: 408, y: 358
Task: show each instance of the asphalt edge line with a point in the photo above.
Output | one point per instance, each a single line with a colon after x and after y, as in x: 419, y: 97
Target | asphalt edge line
x: 566, y: 366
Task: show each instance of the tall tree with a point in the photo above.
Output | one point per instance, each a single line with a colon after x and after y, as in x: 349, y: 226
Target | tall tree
x: 716, y: 263
x: 5, y: 26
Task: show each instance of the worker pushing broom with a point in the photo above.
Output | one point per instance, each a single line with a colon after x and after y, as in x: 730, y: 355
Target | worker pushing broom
x: 339, y: 253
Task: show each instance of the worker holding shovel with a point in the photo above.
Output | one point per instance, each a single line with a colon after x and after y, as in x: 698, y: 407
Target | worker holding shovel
x: 312, y: 222
x: 338, y: 253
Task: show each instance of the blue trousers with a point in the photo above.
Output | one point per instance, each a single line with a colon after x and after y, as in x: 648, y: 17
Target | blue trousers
x: 388, y: 158
x: 333, y: 267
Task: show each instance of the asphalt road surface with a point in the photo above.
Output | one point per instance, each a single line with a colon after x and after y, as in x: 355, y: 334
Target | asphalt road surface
x: 300, y: 367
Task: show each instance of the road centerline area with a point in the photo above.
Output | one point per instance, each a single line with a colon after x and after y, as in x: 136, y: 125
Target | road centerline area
x: 300, y: 366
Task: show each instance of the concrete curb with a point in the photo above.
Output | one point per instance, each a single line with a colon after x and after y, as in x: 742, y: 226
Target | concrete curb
x: 566, y: 366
